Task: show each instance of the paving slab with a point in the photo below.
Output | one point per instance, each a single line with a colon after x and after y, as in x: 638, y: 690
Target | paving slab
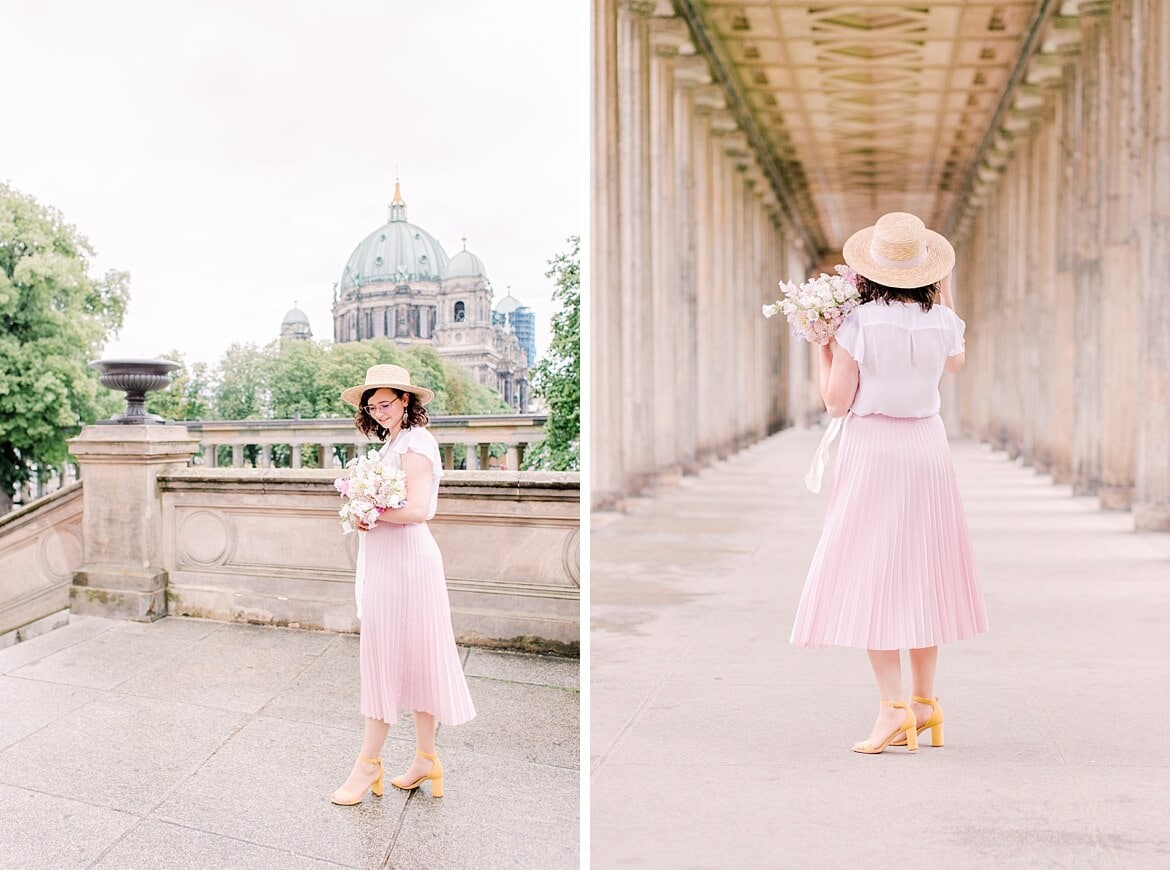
x: 32, y: 823
x: 156, y: 845
x: 196, y: 743
x: 716, y: 743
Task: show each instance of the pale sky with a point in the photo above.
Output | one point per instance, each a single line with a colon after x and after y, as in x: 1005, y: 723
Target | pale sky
x: 231, y: 155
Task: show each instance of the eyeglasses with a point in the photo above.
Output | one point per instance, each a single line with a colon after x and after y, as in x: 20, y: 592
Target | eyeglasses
x: 382, y: 408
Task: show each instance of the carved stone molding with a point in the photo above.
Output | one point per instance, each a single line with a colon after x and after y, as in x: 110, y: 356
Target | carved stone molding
x: 206, y: 538
x: 60, y: 552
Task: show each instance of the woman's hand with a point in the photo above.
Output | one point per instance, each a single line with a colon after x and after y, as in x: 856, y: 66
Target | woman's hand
x: 363, y: 527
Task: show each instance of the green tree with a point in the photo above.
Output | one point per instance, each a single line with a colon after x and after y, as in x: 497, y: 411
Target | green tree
x: 557, y: 377
x: 242, y: 388
x: 54, y: 320
x: 189, y: 395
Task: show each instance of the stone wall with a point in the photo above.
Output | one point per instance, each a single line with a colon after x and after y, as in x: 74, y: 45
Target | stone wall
x: 40, y: 549
x: 266, y: 546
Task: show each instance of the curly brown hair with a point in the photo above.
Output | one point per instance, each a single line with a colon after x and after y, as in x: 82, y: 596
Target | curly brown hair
x: 416, y: 414
x: 871, y: 290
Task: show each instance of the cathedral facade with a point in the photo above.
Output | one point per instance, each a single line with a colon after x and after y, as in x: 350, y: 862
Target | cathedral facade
x: 400, y: 284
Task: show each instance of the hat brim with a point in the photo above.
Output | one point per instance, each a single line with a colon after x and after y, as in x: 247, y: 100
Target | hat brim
x: 939, y: 262
x: 353, y: 395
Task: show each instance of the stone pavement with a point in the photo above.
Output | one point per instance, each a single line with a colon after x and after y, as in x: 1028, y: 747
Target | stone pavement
x: 198, y: 744
x: 716, y: 744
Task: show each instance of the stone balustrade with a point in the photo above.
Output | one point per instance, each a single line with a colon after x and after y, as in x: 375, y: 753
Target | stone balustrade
x: 515, y: 431
x: 40, y: 549
x: 266, y: 546
x: 146, y: 533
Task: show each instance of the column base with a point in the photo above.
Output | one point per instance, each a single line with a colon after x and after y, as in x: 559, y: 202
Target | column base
x: 1151, y: 517
x: 139, y: 596
x: 1115, y: 498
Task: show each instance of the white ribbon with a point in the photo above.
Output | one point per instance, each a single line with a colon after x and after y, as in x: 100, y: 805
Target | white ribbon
x: 359, y: 579
x: 816, y: 471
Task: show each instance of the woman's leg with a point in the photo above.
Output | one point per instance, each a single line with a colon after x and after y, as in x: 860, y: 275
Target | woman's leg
x: 424, y: 741
x: 922, y: 666
x: 363, y: 772
x: 887, y: 669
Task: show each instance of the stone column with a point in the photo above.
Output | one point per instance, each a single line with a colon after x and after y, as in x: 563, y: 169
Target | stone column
x: 209, y: 455
x: 1063, y: 380
x: 295, y: 454
x: 237, y: 456
x: 448, y: 456
x: 1120, y: 323
x: 484, y: 456
x: 607, y: 362
x: 690, y: 73
x: 122, y: 574
x: 1089, y: 275
x: 265, y: 455
x: 708, y: 100
x: 636, y: 424
x: 669, y: 397
x: 513, y: 459
x: 1151, y: 503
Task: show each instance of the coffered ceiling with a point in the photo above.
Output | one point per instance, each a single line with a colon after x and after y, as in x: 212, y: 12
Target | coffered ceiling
x: 868, y: 107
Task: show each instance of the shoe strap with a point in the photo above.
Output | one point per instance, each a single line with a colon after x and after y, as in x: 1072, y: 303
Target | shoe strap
x: 377, y: 760
x: 932, y: 701
x: 434, y: 757
x: 892, y: 703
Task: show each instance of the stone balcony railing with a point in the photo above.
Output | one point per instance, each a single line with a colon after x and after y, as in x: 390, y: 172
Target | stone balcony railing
x: 515, y: 431
x: 146, y: 533
x: 266, y: 546
x: 40, y: 548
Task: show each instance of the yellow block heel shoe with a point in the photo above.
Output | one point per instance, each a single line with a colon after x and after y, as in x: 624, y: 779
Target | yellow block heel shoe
x: 344, y: 799
x: 435, y: 776
x: 934, y: 722
x: 907, y: 727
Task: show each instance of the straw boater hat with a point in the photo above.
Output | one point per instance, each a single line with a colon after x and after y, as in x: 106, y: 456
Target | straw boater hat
x: 899, y: 251
x: 394, y: 377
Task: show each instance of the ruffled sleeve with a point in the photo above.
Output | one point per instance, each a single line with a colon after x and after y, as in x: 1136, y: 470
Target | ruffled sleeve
x: 422, y: 442
x: 959, y: 327
x: 851, y: 336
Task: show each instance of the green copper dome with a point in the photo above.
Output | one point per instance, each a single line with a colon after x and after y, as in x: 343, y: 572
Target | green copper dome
x: 396, y: 253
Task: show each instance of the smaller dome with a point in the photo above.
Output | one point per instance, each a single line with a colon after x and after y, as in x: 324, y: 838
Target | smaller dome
x: 466, y: 265
x: 295, y: 316
x: 508, y: 304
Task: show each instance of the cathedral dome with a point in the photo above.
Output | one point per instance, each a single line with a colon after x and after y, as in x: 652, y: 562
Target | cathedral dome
x: 508, y: 304
x: 395, y: 253
x: 466, y: 265
x: 295, y: 317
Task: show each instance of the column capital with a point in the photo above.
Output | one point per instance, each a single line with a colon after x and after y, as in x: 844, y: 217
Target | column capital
x: 709, y: 100
x: 644, y: 8
x: 723, y: 122
x: 690, y: 72
x: 669, y: 36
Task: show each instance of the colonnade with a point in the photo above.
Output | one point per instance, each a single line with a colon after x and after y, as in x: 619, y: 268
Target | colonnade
x: 688, y: 242
x: 1063, y: 272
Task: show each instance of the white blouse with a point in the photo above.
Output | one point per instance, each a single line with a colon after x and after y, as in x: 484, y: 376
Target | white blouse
x: 420, y: 441
x: 900, y: 352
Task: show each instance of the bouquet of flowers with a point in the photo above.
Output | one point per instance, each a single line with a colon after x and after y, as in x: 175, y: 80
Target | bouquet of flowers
x: 369, y: 488
x: 816, y: 308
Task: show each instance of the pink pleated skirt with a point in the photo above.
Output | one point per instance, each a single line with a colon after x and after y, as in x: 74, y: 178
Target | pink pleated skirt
x: 408, y: 657
x: 893, y: 568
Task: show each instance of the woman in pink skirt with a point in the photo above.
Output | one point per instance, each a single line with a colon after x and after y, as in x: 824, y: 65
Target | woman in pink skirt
x: 408, y: 658
x: 893, y: 569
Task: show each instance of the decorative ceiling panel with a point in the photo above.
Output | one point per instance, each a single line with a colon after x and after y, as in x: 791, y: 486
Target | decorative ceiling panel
x: 869, y: 106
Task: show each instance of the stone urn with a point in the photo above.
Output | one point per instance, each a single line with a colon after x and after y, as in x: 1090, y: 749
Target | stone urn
x: 136, y: 378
